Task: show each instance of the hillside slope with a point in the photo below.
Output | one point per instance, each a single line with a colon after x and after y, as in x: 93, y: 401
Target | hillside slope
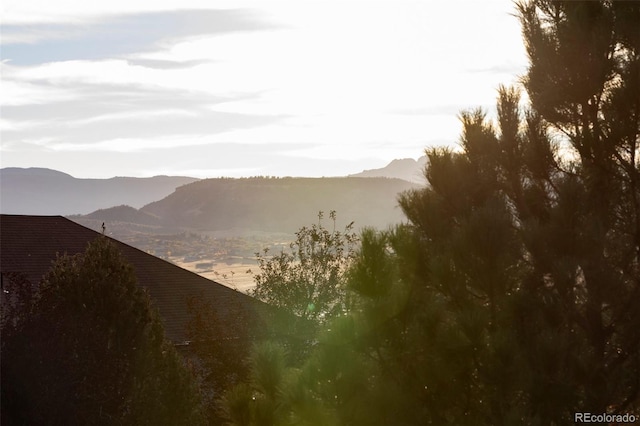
x: 280, y: 204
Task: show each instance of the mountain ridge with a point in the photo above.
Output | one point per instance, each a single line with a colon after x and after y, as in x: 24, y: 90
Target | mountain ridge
x: 407, y: 169
x: 262, y: 204
x: 280, y: 204
x: 42, y: 191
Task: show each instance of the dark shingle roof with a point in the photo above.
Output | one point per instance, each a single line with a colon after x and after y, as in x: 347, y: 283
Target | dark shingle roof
x: 29, y: 244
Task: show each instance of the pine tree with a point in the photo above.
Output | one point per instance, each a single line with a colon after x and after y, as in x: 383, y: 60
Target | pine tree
x: 92, y: 351
x: 580, y: 213
x: 512, y: 295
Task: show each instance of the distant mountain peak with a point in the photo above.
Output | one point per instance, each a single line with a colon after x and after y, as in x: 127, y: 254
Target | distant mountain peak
x: 34, y: 172
x: 407, y: 169
x: 45, y: 192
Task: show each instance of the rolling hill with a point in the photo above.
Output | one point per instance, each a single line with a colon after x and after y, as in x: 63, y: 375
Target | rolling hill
x: 280, y: 204
x: 163, y: 203
x: 41, y: 191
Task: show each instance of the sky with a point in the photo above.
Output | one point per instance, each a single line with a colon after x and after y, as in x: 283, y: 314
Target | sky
x: 210, y: 88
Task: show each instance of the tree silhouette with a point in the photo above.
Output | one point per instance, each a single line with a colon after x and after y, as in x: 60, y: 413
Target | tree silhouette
x: 581, y: 220
x: 308, y: 280
x: 92, y: 351
x: 512, y: 295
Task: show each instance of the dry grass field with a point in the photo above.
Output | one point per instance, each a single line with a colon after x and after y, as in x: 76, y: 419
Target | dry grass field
x: 233, y: 273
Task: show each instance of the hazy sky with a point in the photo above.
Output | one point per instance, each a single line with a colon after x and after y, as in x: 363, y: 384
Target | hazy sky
x: 210, y: 88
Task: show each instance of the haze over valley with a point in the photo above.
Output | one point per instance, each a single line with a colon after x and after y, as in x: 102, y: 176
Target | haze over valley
x: 211, y: 226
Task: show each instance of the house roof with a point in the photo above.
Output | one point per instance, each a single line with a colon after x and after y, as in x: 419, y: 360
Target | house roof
x: 29, y: 245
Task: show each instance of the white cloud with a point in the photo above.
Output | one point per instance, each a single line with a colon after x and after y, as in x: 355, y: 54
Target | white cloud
x: 127, y: 145
x: 19, y: 91
x: 82, y: 11
x: 138, y: 115
x: 114, y: 71
x: 367, y: 79
x: 18, y: 125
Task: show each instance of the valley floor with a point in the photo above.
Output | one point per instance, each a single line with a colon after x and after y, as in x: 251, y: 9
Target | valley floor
x: 234, y: 273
